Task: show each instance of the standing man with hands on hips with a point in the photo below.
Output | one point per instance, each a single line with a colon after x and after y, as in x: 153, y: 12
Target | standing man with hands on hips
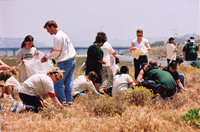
x: 64, y: 54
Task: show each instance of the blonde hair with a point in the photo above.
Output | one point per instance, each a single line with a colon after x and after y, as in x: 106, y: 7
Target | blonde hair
x: 56, y: 71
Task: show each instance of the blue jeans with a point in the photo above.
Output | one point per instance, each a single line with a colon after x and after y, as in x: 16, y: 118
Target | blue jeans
x: 65, y: 94
x: 181, y: 76
x: 138, y: 62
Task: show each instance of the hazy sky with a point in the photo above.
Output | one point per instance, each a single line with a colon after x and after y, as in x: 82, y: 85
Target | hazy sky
x: 82, y: 19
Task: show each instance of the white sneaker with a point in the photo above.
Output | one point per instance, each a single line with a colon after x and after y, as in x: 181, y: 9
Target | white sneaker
x: 13, y: 107
x: 10, y: 97
x: 20, y: 107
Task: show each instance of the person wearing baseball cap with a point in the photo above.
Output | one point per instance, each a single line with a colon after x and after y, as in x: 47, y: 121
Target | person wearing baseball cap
x: 190, y: 50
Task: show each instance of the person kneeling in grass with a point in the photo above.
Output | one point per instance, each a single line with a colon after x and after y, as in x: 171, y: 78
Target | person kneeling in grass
x: 83, y: 82
x: 179, y: 78
x: 160, y: 82
x: 34, y: 87
x: 122, y: 81
x: 195, y: 64
x: 145, y: 70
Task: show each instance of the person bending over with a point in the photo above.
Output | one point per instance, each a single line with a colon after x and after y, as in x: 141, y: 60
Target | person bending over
x: 33, y: 89
x: 122, y: 81
x: 160, y: 82
x: 179, y: 78
x: 83, y: 82
x: 145, y: 70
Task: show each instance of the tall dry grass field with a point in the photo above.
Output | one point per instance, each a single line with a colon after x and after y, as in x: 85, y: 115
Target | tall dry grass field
x: 133, y: 110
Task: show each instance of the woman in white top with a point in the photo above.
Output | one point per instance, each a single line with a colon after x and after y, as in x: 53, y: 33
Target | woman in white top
x: 142, y: 46
x: 83, y: 82
x: 171, y: 50
x: 107, y: 74
x: 33, y: 89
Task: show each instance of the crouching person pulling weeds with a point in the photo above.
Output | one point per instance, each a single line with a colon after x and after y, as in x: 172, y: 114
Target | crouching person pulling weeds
x: 33, y: 89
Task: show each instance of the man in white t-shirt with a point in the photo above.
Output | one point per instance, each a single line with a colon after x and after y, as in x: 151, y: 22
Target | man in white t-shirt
x: 171, y: 50
x: 64, y: 54
x: 122, y: 81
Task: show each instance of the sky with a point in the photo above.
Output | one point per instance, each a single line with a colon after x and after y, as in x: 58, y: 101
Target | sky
x: 82, y: 19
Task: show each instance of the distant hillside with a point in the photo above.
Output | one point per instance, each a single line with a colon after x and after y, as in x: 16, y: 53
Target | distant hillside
x: 16, y: 42
x: 187, y: 36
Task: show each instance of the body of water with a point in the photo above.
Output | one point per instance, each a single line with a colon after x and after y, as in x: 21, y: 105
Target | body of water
x: 130, y: 58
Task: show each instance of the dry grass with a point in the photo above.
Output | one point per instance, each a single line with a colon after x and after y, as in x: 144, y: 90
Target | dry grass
x: 129, y: 111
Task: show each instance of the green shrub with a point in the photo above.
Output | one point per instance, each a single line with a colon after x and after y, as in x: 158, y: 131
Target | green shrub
x: 192, y: 117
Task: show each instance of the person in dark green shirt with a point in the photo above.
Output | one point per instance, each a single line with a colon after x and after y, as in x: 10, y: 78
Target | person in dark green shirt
x: 179, y: 78
x: 94, y: 59
x: 195, y: 64
x: 160, y: 82
x: 144, y: 70
x: 190, y: 50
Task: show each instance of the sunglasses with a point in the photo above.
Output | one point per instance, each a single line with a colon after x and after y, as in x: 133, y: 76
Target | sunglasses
x: 139, y: 35
x: 57, y: 78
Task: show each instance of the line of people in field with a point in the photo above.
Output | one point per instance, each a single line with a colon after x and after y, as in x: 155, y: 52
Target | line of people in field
x: 101, y: 67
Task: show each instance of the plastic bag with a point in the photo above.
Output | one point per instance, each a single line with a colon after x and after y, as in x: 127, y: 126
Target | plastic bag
x: 34, y: 66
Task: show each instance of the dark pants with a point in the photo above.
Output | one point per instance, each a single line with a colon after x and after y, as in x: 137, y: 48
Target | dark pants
x: 31, y: 102
x: 163, y: 90
x: 138, y: 62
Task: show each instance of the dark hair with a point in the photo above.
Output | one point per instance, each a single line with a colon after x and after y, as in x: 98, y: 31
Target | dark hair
x: 173, y: 64
x: 92, y: 76
x: 101, y: 37
x: 191, y: 37
x: 51, y: 23
x: 179, y: 60
x: 28, y: 38
x: 124, y: 69
x: 170, y: 39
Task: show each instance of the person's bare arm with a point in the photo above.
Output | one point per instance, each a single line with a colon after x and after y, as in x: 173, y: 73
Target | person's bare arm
x: 148, y: 46
x: 3, y: 91
x: 132, y: 47
x: 3, y: 66
x: 183, y: 55
x: 198, y: 47
x: 180, y: 85
x: 114, y: 54
x: 103, y: 62
x: 45, y: 103
x: 57, y: 102
x: 140, y: 76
